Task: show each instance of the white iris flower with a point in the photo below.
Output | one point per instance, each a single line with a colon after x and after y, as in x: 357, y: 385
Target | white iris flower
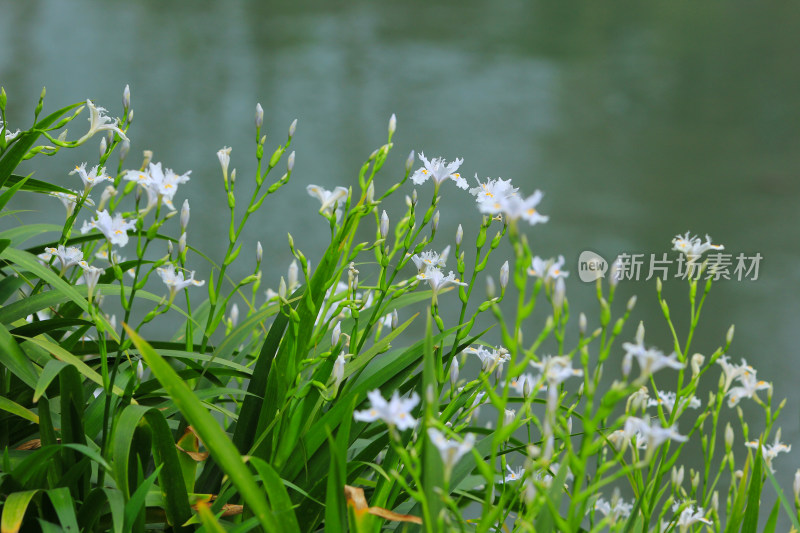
x: 396, y: 412
x: 439, y: 170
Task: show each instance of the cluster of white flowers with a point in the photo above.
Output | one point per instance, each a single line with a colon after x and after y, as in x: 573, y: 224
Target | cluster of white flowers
x: 549, y: 269
x: 745, y: 375
x: 615, y: 510
x: 667, y: 399
x: 692, y: 247
x: 491, y: 359
x: 770, y: 451
x: 429, y: 268
x: 650, y: 359
x: 332, y: 201
x: 159, y: 184
x: 396, y: 412
x: 9, y: 135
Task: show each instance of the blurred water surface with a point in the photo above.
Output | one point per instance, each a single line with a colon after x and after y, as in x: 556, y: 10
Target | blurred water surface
x: 638, y: 119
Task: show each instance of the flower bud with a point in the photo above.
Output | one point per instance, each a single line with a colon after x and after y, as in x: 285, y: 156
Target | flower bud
x: 384, y: 225
x: 103, y: 146
x: 139, y: 370
x: 729, y: 335
x: 259, y: 116
x: 527, y: 388
x: 234, y: 316
x: 504, y: 276
x: 697, y: 362
x: 126, y: 97
x: 632, y: 303
x: 508, y: 417
x: 490, y: 289
x: 108, y: 193
x: 336, y: 333
x: 392, y: 124
x: 148, y: 155
x: 677, y: 477
x: 582, y: 324
x: 435, y: 220
x: 410, y: 161
x: 170, y: 248
x: 338, y: 371
x: 728, y: 437
x: 640, y: 333
x: 233, y: 176
x: 290, y: 162
x: 282, y: 289
x: 459, y: 235
x: 659, y: 285
x: 695, y: 480
x: 796, y: 485
x: 614, y: 273
x: 130, y: 117
x: 559, y: 293
x: 182, y: 244
x: 395, y: 320
x: 259, y: 253
x: 292, y: 275
x: 454, y: 373
x: 184, y: 215
x: 414, y: 197
x: 292, y: 128
x: 370, y: 198
x: 124, y: 149
x: 224, y: 156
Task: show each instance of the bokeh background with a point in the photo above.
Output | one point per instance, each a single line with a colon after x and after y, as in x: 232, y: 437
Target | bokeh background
x: 639, y: 120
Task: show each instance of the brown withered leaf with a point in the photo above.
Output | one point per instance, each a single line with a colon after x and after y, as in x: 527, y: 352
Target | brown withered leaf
x: 355, y: 497
x: 33, y: 444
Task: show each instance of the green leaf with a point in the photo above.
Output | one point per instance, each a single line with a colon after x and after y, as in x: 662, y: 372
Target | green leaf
x: 219, y: 446
x: 33, y: 185
x: 750, y: 522
x: 16, y: 409
x: 22, y: 233
x: 14, y: 510
x: 6, y: 196
x: 134, y: 506
x: 11, y: 357
x: 278, y: 497
x: 64, y: 505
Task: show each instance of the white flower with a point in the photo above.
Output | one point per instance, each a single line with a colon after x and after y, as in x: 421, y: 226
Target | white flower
x: 224, y: 156
x: 770, y: 451
x: 514, y: 475
x: 450, y: 450
x: 650, y: 360
x: 91, y: 178
x: 667, y: 401
x: 519, y: 384
x: 692, y: 247
x: 175, y: 281
x: 330, y: 200
x: 549, y: 269
x: 114, y: 229
x: 515, y: 207
x: 9, y: 135
x: 748, y: 386
x: 437, y: 280
x: 556, y: 369
x: 430, y: 259
x: 493, y: 190
x: 99, y: 122
x: 160, y: 184
x: 690, y: 516
x: 396, y: 412
x: 732, y: 371
x: 616, y: 509
x: 68, y: 256
x: 654, y: 435
x: 440, y: 170
x: 91, y: 275
x: 490, y: 359
x: 70, y: 200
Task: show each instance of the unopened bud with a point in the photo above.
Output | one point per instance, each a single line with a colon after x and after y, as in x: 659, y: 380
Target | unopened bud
x: 490, y: 289
x: 259, y: 116
x: 126, y: 97
x: 290, y: 162
x: 435, y: 220
x: 108, y: 193
x: 582, y: 324
x: 677, y: 477
x: 728, y: 437
x: 392, y: 124
x: 139, y: 370
x: 395, y: 319
x: 527, y: 388
x: 234, y: 316
x: 715, y: 502
x: 632, y: 303
x: 292, y: 128
x: 293, y: 275
x: 124, y: 149
x: 185, y: 215
x: 614, y: 273
x: 454, y: 373
x: 233, y: 176
x: 729, y: 336
x: 410, y: 161
x: 130, y: 117
x: 370, y: 193
x: 504, y: 276
x: 103, y: 146
x: 695, y: 480
x: 282, y: 288
x: 559, y: 293
x: 384, y: 225
x: 414, y: 197
x: 508, y: 417
x: 170, y: 248
x: 659, y: 285
x: 640, y: 333
x: 259, y: 253
x: 697, y: 362
x: 336, y: 333
x: 182, y: 243
x: 459, y: 235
